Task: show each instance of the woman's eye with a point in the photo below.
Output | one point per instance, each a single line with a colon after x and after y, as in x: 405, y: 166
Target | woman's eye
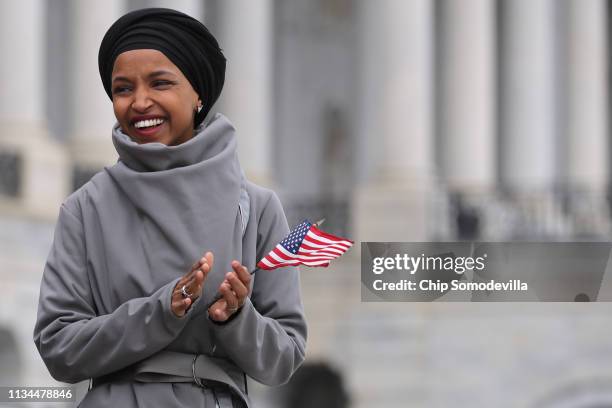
x: 120, y: 89
x: 161, y: 84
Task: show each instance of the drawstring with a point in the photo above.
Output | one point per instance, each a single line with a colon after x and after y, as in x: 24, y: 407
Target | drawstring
x: 216, y: 399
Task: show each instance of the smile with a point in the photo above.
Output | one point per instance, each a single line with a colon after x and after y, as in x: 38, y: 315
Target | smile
x: 148, y: 123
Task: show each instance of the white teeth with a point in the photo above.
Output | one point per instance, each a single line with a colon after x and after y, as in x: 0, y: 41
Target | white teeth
x: 148, y: 123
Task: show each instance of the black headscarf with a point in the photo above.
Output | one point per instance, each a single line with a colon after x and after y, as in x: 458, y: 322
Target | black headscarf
x: 183, y: 39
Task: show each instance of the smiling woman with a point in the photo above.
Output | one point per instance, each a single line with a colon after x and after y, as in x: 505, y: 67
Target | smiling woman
x: 142, y: 249
x: 152, y: 99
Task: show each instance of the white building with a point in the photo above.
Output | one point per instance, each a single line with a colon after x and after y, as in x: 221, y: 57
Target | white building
x: 398, y: 120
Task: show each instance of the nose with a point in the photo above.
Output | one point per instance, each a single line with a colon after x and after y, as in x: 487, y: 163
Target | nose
x: 141, y: 102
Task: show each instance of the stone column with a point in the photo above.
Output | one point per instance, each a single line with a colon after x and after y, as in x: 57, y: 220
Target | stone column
x: 528, y: 81
x: 244, y: 31
x: 588, y: 89
x: 465, y: 112
x: 531, y: 92
x: 587, y: 151
x: 92, y: 114
x: 395, y: 120
x: 467, y: 105
x: 32, y: 162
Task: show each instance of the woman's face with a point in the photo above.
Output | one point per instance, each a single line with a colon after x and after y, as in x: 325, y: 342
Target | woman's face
x: 152, y: 99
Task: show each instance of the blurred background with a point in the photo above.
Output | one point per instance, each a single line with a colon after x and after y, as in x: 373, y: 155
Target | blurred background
x: 397, y: 120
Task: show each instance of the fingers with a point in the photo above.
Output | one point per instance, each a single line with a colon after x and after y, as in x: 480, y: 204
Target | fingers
x: 240, y: 281
x: 180, y: 305
x: 194, y: 285
x: 210, y: 259
x: 242, y: 272
x: 229, y: 303
x: 234, y: 291
x: 202, y: 264
x: 192, y: 282
x: 219, y: 311
x: 196, y: 277
x: 237, y: 287
x: 231, y: 297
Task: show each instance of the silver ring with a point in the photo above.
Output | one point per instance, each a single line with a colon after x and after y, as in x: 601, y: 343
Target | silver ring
x: 232, y: 309
x: 184, y: 292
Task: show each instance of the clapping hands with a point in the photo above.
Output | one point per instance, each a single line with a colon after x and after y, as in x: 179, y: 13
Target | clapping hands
x: 232, y: 292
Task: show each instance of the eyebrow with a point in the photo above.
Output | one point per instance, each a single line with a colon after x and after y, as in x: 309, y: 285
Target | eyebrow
x: 151, y: 75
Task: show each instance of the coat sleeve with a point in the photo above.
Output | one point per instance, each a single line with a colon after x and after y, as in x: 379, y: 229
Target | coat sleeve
x: 267, y: 338
x: 74, y: 342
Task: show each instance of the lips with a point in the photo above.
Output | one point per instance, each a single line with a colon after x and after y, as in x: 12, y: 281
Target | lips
x: 147, y: 126
x: 148, y: 131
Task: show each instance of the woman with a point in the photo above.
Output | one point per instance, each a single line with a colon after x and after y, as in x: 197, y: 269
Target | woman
x: 141, y: 250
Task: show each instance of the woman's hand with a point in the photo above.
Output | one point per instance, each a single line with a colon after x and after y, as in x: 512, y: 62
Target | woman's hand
x: 234, y: 289
x: 193, y: 282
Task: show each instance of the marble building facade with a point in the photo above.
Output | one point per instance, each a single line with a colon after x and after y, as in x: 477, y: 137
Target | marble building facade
x: 398, y: 120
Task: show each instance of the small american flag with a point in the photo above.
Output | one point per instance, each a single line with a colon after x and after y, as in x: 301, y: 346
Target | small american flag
x: 305, y: 245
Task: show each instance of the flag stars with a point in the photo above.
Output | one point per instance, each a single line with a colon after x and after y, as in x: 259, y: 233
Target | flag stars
x: 293, y: 242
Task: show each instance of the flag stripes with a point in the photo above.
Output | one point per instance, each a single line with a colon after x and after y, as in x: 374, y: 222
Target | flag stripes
x: 305, y: 245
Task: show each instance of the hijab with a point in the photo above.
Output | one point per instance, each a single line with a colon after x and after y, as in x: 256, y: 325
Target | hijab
x: 182, y: 39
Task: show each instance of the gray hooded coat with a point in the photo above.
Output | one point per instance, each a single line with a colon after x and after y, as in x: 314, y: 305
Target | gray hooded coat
x: 122, y: 242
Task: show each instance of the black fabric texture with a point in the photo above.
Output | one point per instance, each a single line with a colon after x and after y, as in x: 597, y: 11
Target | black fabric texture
x: 183, y: 39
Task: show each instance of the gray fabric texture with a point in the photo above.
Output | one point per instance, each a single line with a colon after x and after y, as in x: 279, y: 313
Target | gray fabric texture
x: 124, y: 239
